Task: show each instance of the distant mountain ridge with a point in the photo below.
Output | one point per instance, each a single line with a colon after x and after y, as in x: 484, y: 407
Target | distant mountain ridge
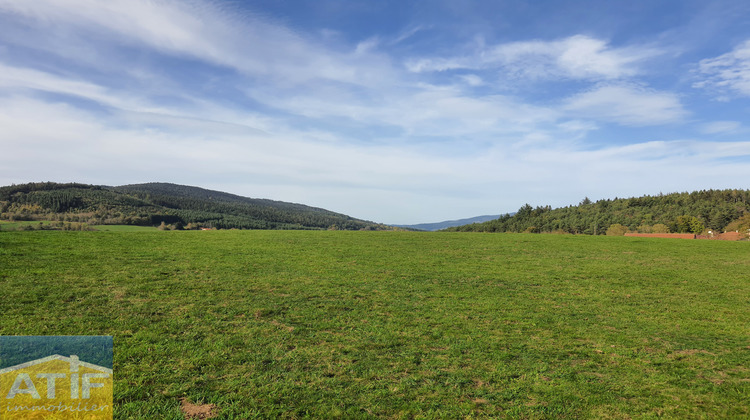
x: 158, y: 203
x: 450, y: 223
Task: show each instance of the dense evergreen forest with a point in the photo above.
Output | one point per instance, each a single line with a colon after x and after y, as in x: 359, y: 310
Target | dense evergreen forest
x: 166, y: 205
x: 694, y: 212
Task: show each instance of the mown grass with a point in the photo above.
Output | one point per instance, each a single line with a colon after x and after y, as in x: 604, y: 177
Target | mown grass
x: 293, y: 324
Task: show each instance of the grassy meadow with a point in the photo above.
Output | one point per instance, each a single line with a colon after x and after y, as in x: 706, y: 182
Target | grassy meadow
x: 325, y: 324
x: 40, y: 225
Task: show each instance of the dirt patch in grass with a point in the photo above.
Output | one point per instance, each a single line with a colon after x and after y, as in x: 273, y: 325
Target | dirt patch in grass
x: 197, y: 411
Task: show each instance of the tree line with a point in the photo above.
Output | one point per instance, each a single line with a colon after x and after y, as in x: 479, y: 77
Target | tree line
x: 692, y: 212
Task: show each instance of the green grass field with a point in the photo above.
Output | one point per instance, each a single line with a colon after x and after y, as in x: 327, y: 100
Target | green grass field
x: 124, y: 228
x: 293, y: 324
x: 11, y: 226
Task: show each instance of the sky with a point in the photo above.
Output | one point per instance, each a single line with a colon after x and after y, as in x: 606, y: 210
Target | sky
x: 397, y: 112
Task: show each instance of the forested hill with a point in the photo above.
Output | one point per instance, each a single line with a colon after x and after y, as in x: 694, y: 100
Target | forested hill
x: 717, y: 210
x: 154, y: 204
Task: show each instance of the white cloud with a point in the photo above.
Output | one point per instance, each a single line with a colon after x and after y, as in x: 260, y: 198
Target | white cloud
x: 720, y: 127
x: 407, y: 34
x: 727, y: 72
x: 578, y: 57
x: 287, y: 63
x: 627, y: 105
x: 420, y: 111
x: 165, y: 25
x: 438, y: 64
x: 575, y: 57
x: 472, y: 79
x: 15, y: 78
x: 200, y: 30
x: 367, y: 45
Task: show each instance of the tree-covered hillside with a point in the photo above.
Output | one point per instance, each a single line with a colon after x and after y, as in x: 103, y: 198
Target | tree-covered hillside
x: 154, y: 204
x: 678, y: 212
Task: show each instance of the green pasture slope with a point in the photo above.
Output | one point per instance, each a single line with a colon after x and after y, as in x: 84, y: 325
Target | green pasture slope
x: 11, y: 226
x: 295, y: 324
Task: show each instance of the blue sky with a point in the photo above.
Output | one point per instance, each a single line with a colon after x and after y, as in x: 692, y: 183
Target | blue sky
x: 393, y: 111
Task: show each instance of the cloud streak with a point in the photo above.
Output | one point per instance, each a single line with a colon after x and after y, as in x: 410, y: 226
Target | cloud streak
x: 728, y: 72
x: 627, y: 105
x: 575, y: 57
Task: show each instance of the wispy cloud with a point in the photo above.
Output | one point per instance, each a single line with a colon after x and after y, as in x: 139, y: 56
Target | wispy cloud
x: 14, y: 79
x: 201, y: 30
x: 575, y: 57
x: 728, y: 72
x: 627, y: 105
x: 720, y: 127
